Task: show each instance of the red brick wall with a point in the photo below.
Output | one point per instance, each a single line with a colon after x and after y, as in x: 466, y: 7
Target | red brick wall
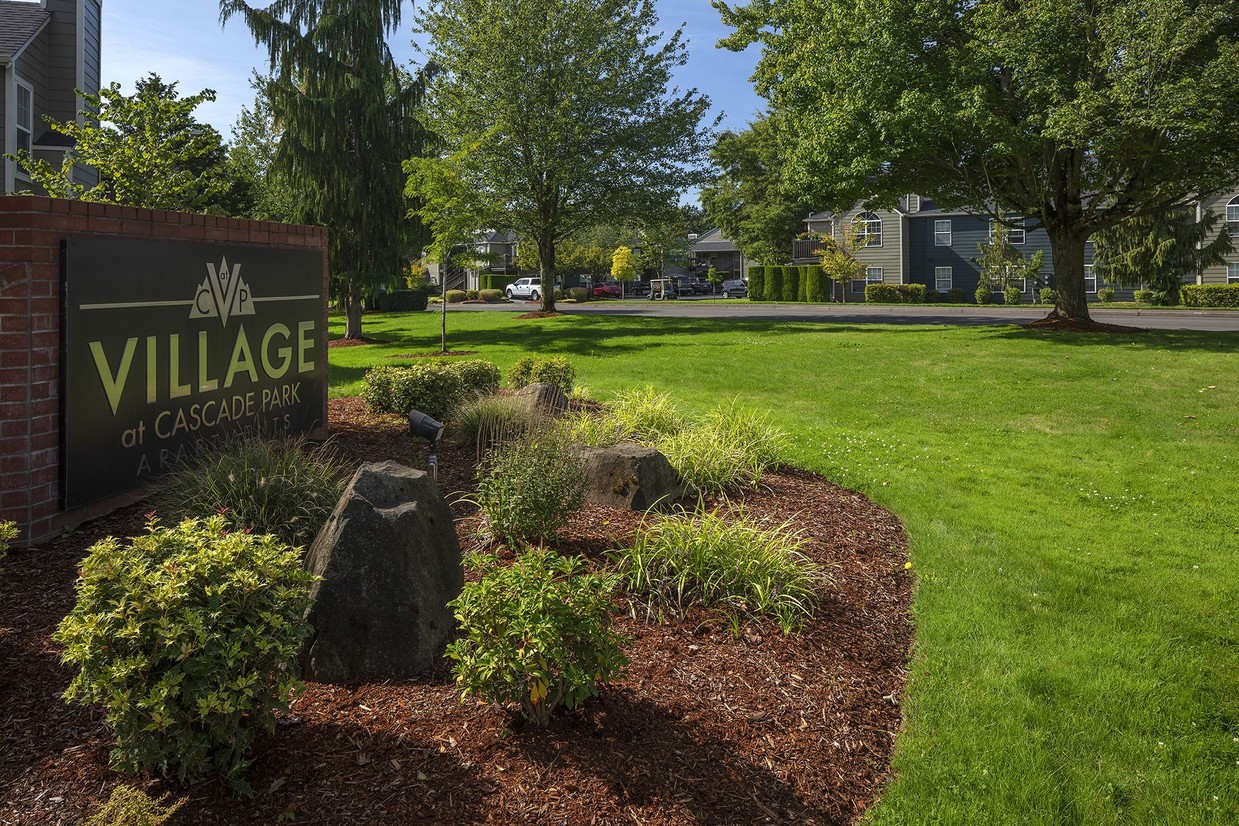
x: 31, y: 230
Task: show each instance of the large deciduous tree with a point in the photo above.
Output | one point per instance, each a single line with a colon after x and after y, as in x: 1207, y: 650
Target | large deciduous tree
x: 347, y: 111
x: 556, y: 116
x: 746, y: 199
x: 251, y: 156
x: 1076, y: 115
x: 148, y: 150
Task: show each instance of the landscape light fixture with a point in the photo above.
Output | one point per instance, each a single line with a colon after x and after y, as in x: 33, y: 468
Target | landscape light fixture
x: 424, y: 427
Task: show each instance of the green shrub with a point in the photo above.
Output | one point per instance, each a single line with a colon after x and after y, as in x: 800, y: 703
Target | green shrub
x: 817, y: 285
x: 1143, y: 296
x: 1048, y: 296
x: 882, y: 294
x: 8, y: 532
x: 491, y: 420
x: 555, y: 370
x: 791, y: 284
x: 579, y: 294
x: 130, y: 806
x: 1011, y: 296
x: 456, y: 296
x: 761, y: 442
x: 188, y: 637
x: 1209, y: 295
x: 983, y: 295
x: 955, y: 295
x: 757, y: 282
x: 434, y: 299
x: 774, y: 283
x: 488, y: 281
x: 726, y: 562
x: 911, y: 293
x: 277, y: 486
x: 1105, y: 295
x: 932, y: 296
x: 471, y: 295
x: 537, y: 634
x: 490, y: 296
x: 1162, y: 298
x: 433, y: 388
x: 644, y: 415
x: 530, y: 488
x: 711, y: 459
x: 399, y: 301
x: 559, y: 294
x: 477, y: 377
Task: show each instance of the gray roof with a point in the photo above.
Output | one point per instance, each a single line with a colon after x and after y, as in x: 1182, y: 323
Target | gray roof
x: 713, y: 241
x: 19, y: 23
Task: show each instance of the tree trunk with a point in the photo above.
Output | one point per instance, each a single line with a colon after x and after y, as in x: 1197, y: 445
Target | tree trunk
x: 352, y: 312
x: 546, y: 252
x: 1067, y: 251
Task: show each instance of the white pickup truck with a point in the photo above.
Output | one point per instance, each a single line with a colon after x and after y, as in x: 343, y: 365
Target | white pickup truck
x: 530, y: 288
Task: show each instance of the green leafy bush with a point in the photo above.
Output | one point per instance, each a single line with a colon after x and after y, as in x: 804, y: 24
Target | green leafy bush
x: 491, y: 420
x: 774, y: 283
x: 757, y: 282
x: 1011, y: 296
x: 555, y: 370
x: 983, y: 295
x: 456, y: 296
x: 1143, y: 296
x: 727, y: 562
x: 1209, y: 295
x: 817, y: 285
x: 471, y: 295
x: 932, y: 296
x: 791, y: 284
x: 434, y: 388
x: 956, y: 295
x: 8, y: 532
x: 477, y: 377
x: 490, y: 296
x: 130, y: 806
x: 1048, y: 296
x: 882, y: 294
x: 1105, y: 295
x: 188, y: 636
x: 283, y: 487
x: 499, y: 282
x: 537, y: 634
x: 530, y: 488
x: 395, y: 301
x: 911, y: 293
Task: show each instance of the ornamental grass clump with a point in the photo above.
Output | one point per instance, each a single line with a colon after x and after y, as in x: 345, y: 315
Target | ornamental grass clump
x: 732, y: 448
x: 536, y: 634
x: 724, y: 562
x: 530, y: 488
x: 283, y: 487
x: 188, y: 637
x: 494, y: 420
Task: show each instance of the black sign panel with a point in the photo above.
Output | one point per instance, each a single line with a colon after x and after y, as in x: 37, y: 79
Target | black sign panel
x: 167, y: 342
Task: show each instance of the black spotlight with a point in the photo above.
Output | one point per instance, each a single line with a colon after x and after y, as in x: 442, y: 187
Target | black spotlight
x: 423, y: 427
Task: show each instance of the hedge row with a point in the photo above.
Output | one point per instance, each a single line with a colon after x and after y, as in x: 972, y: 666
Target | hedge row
x: 1209, y: 295
x: 401, y: 300
x: 490, y: 281
x: 435, y: 388
x: 895, y: 293
x: 806, y: 283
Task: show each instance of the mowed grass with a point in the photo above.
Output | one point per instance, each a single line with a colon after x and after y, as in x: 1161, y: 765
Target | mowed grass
x: 1073, y: 507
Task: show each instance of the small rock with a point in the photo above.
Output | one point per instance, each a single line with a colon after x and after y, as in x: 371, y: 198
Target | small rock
x: 545, y: 397
x: 631, y: 477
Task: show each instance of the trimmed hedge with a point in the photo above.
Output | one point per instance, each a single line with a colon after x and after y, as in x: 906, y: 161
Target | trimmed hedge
x: 490, y: 296
x: 456, y: 296
x: 911, y: 293
x: 817, y: 285
x: 774, y: 284
x: 490, y: 281
x: 757, y: 282
x: 579, y: 294
x: 895, y: 293
x: 1209, y: 295
x: 434, y: 388
x: 401, y: 301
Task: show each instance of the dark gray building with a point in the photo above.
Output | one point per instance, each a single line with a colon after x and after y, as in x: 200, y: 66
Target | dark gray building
x: 48, y: 49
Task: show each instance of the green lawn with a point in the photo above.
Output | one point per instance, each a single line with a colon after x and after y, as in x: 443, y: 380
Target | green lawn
x: 1073, y: 511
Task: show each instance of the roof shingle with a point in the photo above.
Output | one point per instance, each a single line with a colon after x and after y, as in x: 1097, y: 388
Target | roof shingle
x: 19, y: 23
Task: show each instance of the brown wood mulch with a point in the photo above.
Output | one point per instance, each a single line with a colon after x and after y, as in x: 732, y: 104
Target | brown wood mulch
x: 705, y: 727
x: 1075, y: 325
x: 353, y: 342
x: 540, y: 314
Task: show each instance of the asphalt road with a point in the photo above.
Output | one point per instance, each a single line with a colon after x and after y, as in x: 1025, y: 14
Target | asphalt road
x: 1200, y: 321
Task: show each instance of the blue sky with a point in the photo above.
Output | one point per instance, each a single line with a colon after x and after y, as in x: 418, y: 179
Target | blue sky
x: 182, y: 40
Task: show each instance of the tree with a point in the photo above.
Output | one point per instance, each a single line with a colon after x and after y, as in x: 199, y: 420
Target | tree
x: 148, y: 150
x: 255, y: 141
x: 1157, y: 251
x: 839, y: 257
x: 565, y: 122
x: 714, y: 278
x: 1075, y: 116
x: 347, y: 111
x: 664, y: 241
x: 623, y: 267
x: 746, y: 200
x: 1001, y: 263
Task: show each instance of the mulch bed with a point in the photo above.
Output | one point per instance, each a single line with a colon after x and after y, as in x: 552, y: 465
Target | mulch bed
x: 705, y: 727
x: 540, y: 314
x: 354, y: 342
x: 1070, y: 325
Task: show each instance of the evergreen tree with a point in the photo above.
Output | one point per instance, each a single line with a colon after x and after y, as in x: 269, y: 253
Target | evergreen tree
x: 251, y: 155
x: 347, y: 111
x: 1159, y: 251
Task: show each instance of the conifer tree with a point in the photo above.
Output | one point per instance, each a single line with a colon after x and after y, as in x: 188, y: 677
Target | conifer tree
x: 1158, y: 251
x: 347, y: 110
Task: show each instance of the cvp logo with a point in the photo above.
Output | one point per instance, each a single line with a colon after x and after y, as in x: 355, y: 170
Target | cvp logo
x: 222, y: 294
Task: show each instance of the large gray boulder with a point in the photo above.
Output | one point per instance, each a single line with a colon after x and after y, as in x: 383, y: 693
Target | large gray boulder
x: 389, y: 562
x: 544, y: 397
x: 631, y: 477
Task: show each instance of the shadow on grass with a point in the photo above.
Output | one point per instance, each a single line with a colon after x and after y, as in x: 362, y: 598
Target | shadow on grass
x: 1169, y: 340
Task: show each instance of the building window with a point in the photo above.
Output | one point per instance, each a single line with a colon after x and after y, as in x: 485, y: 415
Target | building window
x: 1232, y: 216
x: 873, y: 275
x: 1016, y: 234
x: 25, y: 115
x: 869, y: 229
x: 1232, y: 273
x: 942, y: 233
x: 943, y: 279
x: 1090, y: 279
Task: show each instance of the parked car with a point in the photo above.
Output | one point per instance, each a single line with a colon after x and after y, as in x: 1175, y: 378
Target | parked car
x: 607, y: 291
x: 530, y: 288
x: 735, y: 288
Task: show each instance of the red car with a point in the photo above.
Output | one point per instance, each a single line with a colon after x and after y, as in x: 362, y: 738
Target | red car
x: 607, y: 291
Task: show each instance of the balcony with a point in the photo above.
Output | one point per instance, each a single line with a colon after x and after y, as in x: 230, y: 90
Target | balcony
x: 808, y: 248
